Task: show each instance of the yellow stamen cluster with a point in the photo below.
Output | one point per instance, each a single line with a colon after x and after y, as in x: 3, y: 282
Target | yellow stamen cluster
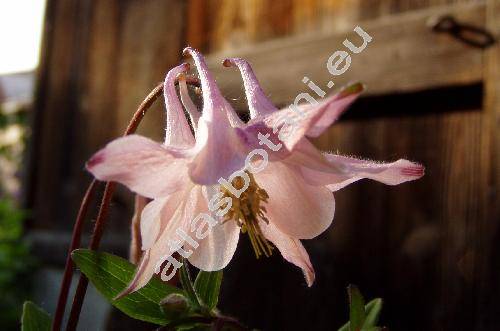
x: 247, y: 210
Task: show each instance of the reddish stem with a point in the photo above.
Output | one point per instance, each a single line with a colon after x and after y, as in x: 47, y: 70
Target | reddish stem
x: 99, y: 225
x: 98, y: 229
x: 143, y: 107
x: 83, y: 282
x: 75, y: 243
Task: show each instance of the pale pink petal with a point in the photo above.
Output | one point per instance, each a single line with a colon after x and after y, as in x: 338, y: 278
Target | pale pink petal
x: 291, y: 249
x: 157, y: 214
x: 219, y: 153
x: 217, y: 249
x: 292, y: 125
x: 258, y: 103
x: 335, y: 107
x: 233, y: 118
x: 177, y: 131
x: 219, y: 149
x: 151, y: 221
x: 306, y: 154
x: 154, y: 257
x: 213, y: 100
x: 135, y: 251
x: 191, y: 108
x: 298, y: 209
x: 352, y: 169
x: 141, y: 277
x: 143, y: 165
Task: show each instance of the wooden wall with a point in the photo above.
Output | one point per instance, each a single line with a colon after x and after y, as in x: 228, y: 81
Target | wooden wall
x: 99, y: 60
x: 427, y: 247
x: 216, y: 25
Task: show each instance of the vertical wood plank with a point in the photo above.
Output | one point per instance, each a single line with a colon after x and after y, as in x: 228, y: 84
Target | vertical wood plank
x: 197, y: 24
x: 487, y: 273
x: 55, y: 101
x: 412, y: 244
x: 100, y: 59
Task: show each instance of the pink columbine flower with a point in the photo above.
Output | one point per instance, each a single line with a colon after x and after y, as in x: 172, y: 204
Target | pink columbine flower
x: 278, y: 200
x: 160, y: 172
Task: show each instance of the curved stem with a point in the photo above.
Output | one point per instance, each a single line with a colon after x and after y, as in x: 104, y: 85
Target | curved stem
x: 98, y: 229
x: 83, y: 282
x: 227, y: 320
x: 75, y: 243
x: 99, y: 225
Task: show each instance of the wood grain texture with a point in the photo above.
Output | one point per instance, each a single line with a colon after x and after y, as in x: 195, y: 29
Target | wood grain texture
x: 415, y: 244
x: 487, y: 249
x: 99, y: 61
x: 429, y: 248
x: 57, y: 94
x: 404, y: 55
x: 234, y: 23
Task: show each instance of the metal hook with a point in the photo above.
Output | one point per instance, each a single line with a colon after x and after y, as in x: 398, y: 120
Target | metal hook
x: 469, y: 34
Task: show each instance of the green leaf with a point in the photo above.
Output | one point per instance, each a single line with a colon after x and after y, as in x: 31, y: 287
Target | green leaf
x: 110, y: 275
x: 187, y: 285
x: 345, y: 327
x: 34, y: 318
x: 207, y: 286
x: 372, y: 309
x: 356, y: 308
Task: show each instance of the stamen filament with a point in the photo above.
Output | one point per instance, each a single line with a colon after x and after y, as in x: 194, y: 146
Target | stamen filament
x: 247, y: 211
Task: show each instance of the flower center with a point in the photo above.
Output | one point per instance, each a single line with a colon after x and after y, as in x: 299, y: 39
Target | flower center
x: 247, y: 210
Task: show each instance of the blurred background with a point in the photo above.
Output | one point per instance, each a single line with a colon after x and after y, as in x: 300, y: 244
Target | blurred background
x: 72, y: 72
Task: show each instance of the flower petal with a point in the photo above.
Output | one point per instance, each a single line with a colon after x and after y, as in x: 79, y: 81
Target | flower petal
x: 353, y: 169
x: 214, y: 104
x: 311, y: 120
x: 217, y: 249
x: 191, y: 108
x: 258, y: 103
x: 135, y: 251
x: 177, y: 131
x: 158, y: 213
x: 156, y: 255
x: 213, y: 101
x: 141, y: 278
x: 334, y: 108
x: 144, y: 166
x: 151, y: 221
x: 291, y: 249
x: 219, y: 149
x: 298, y: 209
x: 219, y: 153
x: 306, y: 154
